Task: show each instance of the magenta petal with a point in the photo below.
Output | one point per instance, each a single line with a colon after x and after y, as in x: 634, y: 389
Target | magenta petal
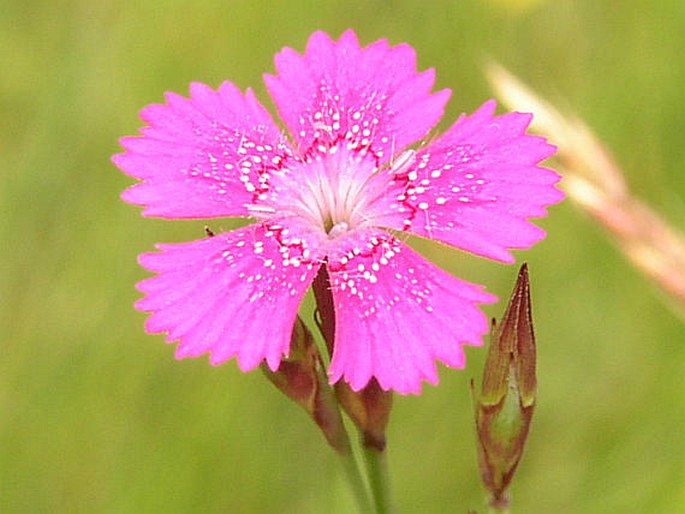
x: 397, y: 314
x: 235, y: 294
x: 203, y: 156
x: 372, y: 97
x: 476, y: 186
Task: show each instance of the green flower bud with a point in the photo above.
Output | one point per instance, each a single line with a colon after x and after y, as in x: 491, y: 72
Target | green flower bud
x: 504, y: 408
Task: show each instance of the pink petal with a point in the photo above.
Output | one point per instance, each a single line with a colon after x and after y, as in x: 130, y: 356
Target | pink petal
x: 203, y: 156
x: 476, y: 186
x: 372, y: 97
x: 396, y: 314
x: 235, y: 294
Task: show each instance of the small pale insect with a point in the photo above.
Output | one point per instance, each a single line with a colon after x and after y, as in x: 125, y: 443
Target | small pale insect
x: 258, y: 210
x: 403, y: 162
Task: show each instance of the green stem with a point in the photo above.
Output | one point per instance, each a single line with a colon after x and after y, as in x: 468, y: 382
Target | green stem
x: 356, y: 482
x: 377, y: 470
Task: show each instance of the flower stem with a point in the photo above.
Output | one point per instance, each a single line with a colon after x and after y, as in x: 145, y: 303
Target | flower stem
x: 377, y: 470
x: 356, y: 482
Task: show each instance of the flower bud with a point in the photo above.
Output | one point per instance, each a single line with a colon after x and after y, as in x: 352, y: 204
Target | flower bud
x: 369, y: 409
x: 301, y: 377
x: 504, y: 408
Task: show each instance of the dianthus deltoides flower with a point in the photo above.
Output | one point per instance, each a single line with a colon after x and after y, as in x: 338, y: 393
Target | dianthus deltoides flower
x: 341, y: 189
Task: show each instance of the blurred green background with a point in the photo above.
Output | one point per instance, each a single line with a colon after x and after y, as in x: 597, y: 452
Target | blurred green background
x: 97, y: 417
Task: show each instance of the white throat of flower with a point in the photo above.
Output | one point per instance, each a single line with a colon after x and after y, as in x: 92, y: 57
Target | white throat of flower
x: 329, y: 191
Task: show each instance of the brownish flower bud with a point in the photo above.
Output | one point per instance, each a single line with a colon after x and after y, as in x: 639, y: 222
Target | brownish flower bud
x: 302, y: 378
x: 369, y: 409
x: 504, y: 408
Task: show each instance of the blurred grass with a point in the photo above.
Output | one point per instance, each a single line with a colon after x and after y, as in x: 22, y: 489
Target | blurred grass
x: 97, y: 417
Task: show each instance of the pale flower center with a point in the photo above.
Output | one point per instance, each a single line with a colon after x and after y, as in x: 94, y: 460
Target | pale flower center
x: 328, y: 192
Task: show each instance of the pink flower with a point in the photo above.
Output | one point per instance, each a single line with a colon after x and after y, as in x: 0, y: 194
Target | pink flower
x: 342, y: 190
